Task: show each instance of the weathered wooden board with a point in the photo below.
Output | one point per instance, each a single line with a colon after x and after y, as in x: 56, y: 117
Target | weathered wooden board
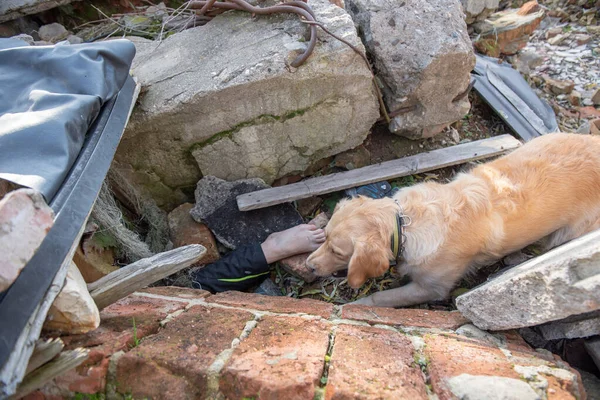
x: 44, y: 351
x: 66, y: 361
x: 416, y: 164
x: 142, y: 273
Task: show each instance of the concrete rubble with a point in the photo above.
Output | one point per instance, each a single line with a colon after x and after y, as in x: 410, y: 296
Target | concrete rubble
x: 221, y: 100
x: 422, y: 80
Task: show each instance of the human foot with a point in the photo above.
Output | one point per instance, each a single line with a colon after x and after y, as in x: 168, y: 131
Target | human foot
x: 300, y: 239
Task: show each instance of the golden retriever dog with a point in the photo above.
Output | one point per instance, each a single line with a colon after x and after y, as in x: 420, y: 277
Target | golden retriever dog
x: 547, y: 189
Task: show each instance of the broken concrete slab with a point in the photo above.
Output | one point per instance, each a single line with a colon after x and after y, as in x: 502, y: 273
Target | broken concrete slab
x: 563, y: 282
x: 25, y: 220
x: 478, y: 10
x: 216, y: 206
x: 579, y: 326
x: 422, y: 79
x: 507, y: 32
x: 221, y: 100
x: 13, y: 9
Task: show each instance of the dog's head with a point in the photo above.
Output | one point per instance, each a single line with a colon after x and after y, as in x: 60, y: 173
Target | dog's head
x: 358, y: 237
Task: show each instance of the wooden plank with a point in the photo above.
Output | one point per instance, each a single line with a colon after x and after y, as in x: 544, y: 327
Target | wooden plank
x: 44, y: 351
x: 14, y: 370
x: 66, y: 361
x: 416, y: 164
x: 142, y: 273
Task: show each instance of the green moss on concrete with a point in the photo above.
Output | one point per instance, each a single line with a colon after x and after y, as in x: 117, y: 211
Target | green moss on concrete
x: 260, y: 120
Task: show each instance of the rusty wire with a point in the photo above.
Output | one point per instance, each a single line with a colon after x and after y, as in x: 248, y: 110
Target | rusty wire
x: 214, y: 7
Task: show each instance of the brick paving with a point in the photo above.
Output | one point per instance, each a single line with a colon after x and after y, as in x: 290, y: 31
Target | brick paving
x: 189, y: 344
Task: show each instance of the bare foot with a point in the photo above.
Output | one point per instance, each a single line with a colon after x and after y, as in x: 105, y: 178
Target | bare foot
x: 300, y: 239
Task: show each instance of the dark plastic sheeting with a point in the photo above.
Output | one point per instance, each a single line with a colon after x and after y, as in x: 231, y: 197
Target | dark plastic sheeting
x: 504, y: 89
x: 49, y: 96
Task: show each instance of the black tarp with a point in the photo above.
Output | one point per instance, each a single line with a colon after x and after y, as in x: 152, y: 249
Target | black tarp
x: 49, y: 96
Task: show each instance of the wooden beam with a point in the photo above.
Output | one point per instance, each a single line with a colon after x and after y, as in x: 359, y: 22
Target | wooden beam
x: 66, y: 361
x: 142, y: 273
x: 416, y: 164
x: 44, y: 351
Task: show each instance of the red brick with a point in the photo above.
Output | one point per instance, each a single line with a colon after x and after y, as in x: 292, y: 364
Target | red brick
x: 114, y: 334
x: 409, y: 317
x: 514, y: 341
x: 277, y: 304
x: 38, y: 395
x: 184, y: 230
x: 25, y: 219
x: 173, y: 363
x: 529, y: 8
x: 116, y: 328
x: 87, y: 379
x: 282, y: 358
x: 373, y: 363
x: 450, y: 356
x: 176, y: 291
x: 144, y: 379
x: 589, y: 112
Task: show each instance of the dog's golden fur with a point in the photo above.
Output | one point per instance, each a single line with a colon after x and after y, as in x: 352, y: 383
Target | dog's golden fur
x: 547, y: 189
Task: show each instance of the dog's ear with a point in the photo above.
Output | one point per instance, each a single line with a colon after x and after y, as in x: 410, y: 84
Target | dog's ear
x: 369, y: 260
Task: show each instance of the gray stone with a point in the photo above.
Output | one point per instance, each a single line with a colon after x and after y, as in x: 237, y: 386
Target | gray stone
x: 562, y: 282
x: 478, y: 10
x: 477, y: 387
x: 596, y: 97
x: 591, y: 384
x: 26, y: 38
x: 423, y: 57
x: 473, y: 332
x: 216, y: 206
x: 73, y: 39
x: 579, y: 326
x: 13, y: 9
x: 515, y: 258
x: 526, y: 61
x: 220, y: 100
x: 53, y: 32
x: 593, y: 348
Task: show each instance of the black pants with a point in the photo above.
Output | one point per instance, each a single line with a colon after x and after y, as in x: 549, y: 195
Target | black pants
x: 239, y: 270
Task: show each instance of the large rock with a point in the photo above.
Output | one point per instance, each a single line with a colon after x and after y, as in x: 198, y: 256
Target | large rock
x: 25, y: 219
x: 216, y: 206
x: 73, y: 310
x: 563, y: 282
x: 478, y: 10
x: 423, y: 57
x: 220, y: 100
x: 13, y: 9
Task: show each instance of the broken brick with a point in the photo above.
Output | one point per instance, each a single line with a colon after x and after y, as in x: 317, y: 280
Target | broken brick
x: 368, y: 361
x: 404, y: 317
x: 279, y: 304
x: 282, y: 358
